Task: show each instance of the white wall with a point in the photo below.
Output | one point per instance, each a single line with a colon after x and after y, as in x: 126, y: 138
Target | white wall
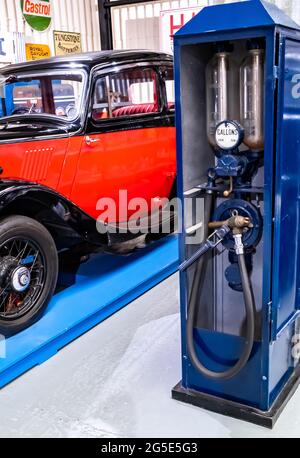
x: 68, y: 15
x: 130, y: 21
x: 134, y: 25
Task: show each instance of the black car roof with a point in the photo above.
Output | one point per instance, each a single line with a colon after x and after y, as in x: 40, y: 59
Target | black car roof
x: 87, y: 59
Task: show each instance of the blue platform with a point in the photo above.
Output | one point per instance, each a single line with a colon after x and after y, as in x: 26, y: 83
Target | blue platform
x: 104, y: 285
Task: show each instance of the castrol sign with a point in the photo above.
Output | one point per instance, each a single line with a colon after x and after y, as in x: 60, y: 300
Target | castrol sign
x: 37, y: 13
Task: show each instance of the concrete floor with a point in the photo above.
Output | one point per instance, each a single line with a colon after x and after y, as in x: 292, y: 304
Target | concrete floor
x: 115, y: 381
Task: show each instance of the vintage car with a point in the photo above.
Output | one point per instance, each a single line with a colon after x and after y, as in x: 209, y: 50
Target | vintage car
x: 72, y: 131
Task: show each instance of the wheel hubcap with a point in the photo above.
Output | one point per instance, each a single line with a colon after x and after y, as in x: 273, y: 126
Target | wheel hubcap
x: 22, y: 276
x: 20, y: 279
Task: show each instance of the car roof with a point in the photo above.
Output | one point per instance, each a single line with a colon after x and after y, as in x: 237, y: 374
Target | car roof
x: 88, y: 60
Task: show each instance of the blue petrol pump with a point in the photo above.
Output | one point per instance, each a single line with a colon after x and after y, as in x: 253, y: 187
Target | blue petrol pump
x: 237, y: 72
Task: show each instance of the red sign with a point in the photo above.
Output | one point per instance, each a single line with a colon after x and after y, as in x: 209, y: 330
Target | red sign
x: 37, y: 8
x: 171, y: 21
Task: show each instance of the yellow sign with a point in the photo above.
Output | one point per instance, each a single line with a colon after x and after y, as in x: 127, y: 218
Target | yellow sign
x: 67, y: 43
x: 35, y: 52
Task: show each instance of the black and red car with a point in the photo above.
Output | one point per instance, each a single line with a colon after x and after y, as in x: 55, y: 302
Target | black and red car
x: 73, y: 131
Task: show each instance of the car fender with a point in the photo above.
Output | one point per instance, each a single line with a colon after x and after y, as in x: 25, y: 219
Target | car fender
x: 61, y: 216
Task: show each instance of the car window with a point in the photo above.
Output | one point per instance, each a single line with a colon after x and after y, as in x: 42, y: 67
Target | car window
x: 67, y: 94
x: 168, y: 73
x: 23, y: 94
x: 131, y: 92
x: 57, y: 95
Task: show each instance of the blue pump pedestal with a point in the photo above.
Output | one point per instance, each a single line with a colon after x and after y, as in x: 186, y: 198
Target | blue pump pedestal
x: 269, y: 376
x: 104, y: 285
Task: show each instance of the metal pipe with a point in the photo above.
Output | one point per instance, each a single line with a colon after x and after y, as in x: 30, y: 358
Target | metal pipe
x: 193, y: 299
x: 235, y: 222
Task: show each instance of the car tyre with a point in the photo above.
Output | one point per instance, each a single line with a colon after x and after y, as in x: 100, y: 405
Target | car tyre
x: 28, y: 272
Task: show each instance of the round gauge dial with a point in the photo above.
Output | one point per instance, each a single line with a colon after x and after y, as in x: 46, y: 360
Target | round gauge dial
x: 229, y: 135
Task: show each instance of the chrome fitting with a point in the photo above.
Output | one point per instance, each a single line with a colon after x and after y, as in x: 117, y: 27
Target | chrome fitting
x: 239, y: 246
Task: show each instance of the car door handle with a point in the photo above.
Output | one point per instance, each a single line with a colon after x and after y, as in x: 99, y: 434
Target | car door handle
x: 91, y: 141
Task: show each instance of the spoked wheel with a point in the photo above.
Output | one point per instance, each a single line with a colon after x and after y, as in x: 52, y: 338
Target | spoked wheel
x: 28, y: 272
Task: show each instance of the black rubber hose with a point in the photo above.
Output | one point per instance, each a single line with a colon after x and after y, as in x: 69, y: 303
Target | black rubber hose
x: 250, y: 315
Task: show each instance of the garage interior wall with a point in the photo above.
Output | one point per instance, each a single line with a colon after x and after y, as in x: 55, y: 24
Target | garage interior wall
x: 68, y: 16
x: 137, y: 26
x: 134, y: 26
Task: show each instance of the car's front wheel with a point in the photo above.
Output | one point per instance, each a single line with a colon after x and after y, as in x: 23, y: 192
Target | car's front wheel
x: 28, y: 272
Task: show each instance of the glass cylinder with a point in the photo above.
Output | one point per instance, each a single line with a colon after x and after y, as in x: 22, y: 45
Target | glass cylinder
x: 252, y: 99
x: 221, y: 89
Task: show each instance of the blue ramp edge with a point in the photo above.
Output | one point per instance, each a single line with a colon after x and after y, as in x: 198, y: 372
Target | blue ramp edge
x: 103, y: 286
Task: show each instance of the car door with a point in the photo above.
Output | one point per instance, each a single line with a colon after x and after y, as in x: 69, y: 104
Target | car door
x: 126, y: 148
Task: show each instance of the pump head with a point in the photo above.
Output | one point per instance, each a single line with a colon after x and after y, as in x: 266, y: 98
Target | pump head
x: 236, y: 223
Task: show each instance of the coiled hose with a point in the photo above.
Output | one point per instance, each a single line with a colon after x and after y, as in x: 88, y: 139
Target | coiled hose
x: 249, y: 305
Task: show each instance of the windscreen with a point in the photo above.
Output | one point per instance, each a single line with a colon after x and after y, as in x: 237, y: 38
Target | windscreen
x: 56, y: 94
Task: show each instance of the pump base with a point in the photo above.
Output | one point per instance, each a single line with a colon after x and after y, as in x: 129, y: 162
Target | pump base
x: 237, y: 410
